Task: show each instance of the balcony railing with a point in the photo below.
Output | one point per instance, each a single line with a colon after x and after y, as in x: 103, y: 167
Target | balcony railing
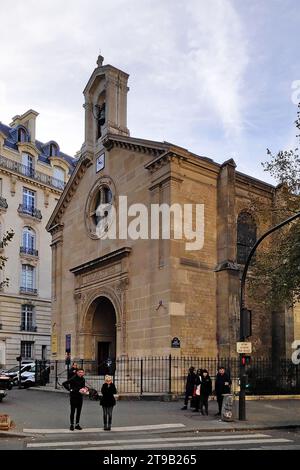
x: 31, y: 173
x: 3, y: 203
x: 28, y: 251
x: 28, y: 290
x: 25, y: 327
x: 28, y: 210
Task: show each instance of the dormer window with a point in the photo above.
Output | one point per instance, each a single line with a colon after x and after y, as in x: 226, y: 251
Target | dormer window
x: 53, y: 150
x: 22, y: 137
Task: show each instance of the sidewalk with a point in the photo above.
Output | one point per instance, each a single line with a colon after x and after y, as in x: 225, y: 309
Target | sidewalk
x: 33, y: 409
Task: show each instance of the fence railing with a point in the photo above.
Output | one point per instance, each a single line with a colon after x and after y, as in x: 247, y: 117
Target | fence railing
x: 167, y: 375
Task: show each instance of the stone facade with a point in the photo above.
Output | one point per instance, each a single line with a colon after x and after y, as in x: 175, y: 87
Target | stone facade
x: 27, y: 164
x: 130, y: 297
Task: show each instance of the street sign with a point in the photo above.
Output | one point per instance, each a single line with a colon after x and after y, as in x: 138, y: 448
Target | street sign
x: 68, y: 343
x: 54, y: 343
x: 175, y: 343
x: 244, y: 348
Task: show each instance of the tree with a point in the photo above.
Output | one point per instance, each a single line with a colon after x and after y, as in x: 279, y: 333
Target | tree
x: 5, y: 240
x: 277, y: 264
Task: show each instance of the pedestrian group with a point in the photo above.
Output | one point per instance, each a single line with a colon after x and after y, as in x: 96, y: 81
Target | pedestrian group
x: 199, y: 388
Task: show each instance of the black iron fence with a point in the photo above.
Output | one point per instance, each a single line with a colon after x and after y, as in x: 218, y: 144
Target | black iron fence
x: 167, y: 375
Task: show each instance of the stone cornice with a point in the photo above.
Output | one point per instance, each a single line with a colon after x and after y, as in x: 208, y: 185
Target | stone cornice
x: 85, y: 162
x: 28, y: 147
x: 148, y: 147
x: 102, y: 260
x: 163, y: 160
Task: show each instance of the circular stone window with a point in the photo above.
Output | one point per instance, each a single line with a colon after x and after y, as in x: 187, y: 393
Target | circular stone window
x: 99, y: 209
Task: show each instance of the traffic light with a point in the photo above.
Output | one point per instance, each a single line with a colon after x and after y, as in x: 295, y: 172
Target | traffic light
x: 246, y: 360
x: 246, y: 323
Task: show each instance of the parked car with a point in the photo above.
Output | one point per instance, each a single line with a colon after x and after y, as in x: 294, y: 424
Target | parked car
x: 13, y: 373
x: 28, y: 378
x: 5, y: 384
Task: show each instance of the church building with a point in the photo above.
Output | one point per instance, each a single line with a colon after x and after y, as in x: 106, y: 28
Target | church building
x: 142, y: 292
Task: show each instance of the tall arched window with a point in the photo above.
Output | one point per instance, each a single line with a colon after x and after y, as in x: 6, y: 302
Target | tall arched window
x: 29, y: 241
x: 246, y: 236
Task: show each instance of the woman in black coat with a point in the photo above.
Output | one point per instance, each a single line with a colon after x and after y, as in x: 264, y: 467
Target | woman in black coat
x: 108, y: 401
x: 205, y: 391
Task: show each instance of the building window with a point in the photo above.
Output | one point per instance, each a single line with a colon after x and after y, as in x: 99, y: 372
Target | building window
x: 246, y: 236
x: 22, y: 137
x: 29, y: 199
x: 28, y: 278
x: 27, y: 318
x: 29, y: 242
x: 53, y: 150
x: 28, y: 165
x: 44, y: 352
x: 104, y: 196
x: 59, y: 174
x: 27, y: 349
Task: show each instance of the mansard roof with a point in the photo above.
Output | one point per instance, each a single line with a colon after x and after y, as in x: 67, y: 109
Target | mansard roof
x: 11, y: 141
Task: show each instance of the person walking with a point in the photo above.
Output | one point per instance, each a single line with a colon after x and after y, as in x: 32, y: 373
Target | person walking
x: 108, y: 401
x: 205, y: 391
x: 76, y: 386
x: 222, y: 386
x: 197, y: 388
x: 189, y: 387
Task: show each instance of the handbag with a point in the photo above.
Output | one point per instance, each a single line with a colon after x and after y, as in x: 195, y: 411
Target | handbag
x: 198, y: 390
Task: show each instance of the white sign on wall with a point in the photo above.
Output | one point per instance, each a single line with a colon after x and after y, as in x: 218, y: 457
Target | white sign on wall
x: 244, y: 348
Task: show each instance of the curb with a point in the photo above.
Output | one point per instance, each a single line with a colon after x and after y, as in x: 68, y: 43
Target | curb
x: 173, y: 397
x: 249, y: 427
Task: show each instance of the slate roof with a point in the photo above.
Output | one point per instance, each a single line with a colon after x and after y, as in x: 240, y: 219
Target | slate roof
x: 11, y: 134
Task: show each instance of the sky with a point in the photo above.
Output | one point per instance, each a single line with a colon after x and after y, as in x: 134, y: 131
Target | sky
x: 219, y: 77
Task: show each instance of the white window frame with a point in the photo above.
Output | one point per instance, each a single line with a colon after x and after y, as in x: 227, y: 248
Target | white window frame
x: 27, y: 317
x: 28, y: 276
x: 29, y: 198
x: 27, y: 345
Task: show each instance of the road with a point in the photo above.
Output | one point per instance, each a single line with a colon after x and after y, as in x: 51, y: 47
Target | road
x: 157, y: 440
x: 142, y: 425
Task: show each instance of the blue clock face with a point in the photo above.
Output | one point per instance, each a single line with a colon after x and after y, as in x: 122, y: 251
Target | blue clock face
x: 100, y: 162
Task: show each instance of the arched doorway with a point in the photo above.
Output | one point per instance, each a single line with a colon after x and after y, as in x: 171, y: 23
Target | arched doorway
x: 104, y: 332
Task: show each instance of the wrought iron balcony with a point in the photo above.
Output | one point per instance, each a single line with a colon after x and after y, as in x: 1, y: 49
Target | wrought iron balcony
x: 28, y: 210
x: 29, y: 251
x: 28, y: 290
x: 3, y: 203
x: 25, y: 327
x: 31, y: 173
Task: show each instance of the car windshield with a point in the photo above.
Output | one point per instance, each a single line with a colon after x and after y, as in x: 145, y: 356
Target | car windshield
x: 14, y: 369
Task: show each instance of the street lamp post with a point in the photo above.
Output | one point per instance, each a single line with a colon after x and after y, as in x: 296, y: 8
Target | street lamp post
x: 243, y: 312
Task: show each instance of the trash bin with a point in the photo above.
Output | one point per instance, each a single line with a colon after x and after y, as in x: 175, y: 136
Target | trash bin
x: 228, y: 407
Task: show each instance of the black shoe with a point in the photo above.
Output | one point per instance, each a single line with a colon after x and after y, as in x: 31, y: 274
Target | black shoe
x: 218, y: 414
x: 202, y: 412
x: 184, y: 408
x: 206, y: 412
x: 106, y: 429
x: 78, y: 427
x: 72, y: 427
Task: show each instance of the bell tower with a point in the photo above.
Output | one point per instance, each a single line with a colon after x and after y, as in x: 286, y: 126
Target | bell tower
x: 105, y: 103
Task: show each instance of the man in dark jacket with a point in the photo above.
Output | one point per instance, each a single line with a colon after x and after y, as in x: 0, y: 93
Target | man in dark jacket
x: 189, y: 387
x: 222, y: 386
x: 76, y: 387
